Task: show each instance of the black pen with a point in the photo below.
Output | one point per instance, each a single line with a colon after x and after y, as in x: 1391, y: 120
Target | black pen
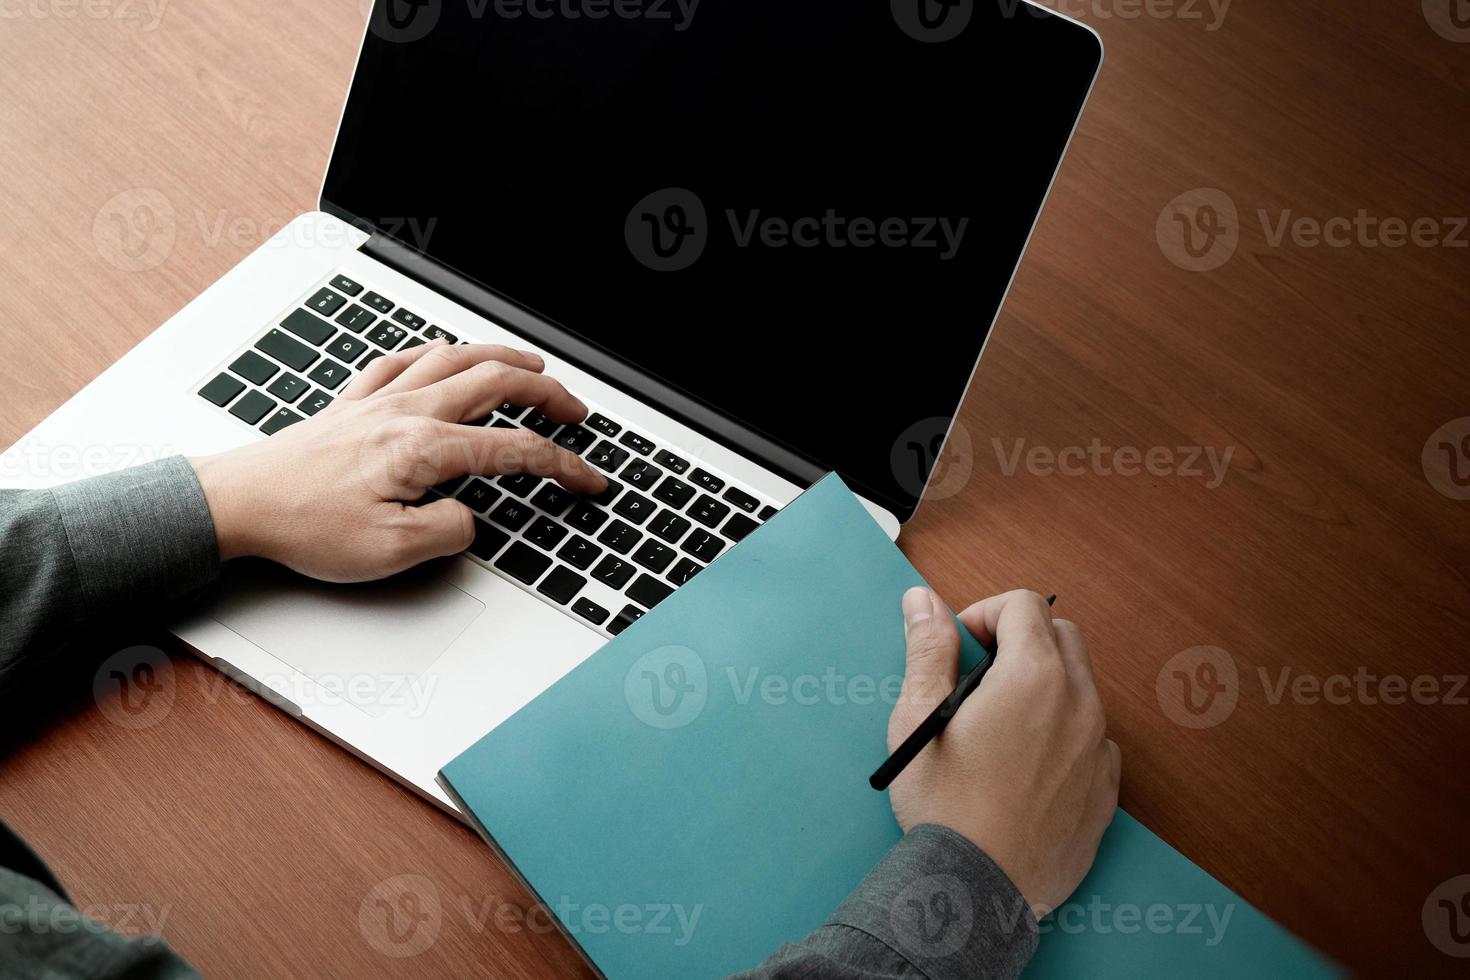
x: 934, y: 724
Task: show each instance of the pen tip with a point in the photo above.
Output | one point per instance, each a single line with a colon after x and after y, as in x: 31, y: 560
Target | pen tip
x: 1051, y: 599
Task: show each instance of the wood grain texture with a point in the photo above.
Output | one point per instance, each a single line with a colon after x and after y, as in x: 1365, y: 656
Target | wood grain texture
x: 1324, y: 550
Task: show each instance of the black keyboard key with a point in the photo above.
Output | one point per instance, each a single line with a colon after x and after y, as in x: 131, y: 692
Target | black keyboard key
x: 653, y: 556
x: 768, y: 512
x: 545, y: 533
x: 346, y: 348
x: 669, y: 526
x: 289, y: 351
x: 523, y: 562
x: 704, y: 546
x: 478, y: 495
x: 520, y: 484
x: 283, y: 418
x: 329, y: 374
x: 439, y: 333
x: 222, y: 390
x: 252, y: 408
x: 669, y: 461
x: 626, y: 618
x: 738, y: 526
x: 708, y: 511
x: 603, y: 424
x: 708, y: 481
x: 252, y: 367
x: 502, y: 424
x: 608, y: 457
x: 313, y: 330
x: 413, y: 342
x: 579, y: 552
x: 410, y: 320
x: 356, y: 319
x: 742, y: 499
x: 635, y: 507
x: 586, y: 517
x: 512, y: 514
x: 344, y: 285
x: 575, y: 439
x: 641, y: 475
x: 377, y: 302
x: 637, y: 443
x: 326, y: 302
x: 608, y: 493
x: 373, y: 356
x: 288, y: 387
x: 447, y: 488
x: 674, y: 492
x: 613, y: 571
x: 561, y: 585
x: 684, y: 570
x: 540, y: 424
x: 511, y: 411
x: 387, y: 335
x: 315, y: 402
x: 553, y: 499
x: 649, y: 591
x: 488, y: 541
x: 620, y: 537
x: 590, y: 611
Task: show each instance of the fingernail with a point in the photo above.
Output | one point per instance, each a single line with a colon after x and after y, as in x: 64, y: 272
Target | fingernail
x: 536, y: 358
x: 917, y: 607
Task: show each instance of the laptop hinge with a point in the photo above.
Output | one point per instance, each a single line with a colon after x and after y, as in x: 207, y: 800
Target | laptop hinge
x: 594, y: 359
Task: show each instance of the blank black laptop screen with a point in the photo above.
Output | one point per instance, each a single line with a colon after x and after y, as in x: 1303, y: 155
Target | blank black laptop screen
x: 803, y: 213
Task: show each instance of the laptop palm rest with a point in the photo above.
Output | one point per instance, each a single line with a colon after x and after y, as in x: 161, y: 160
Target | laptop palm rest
x: 368, y: 644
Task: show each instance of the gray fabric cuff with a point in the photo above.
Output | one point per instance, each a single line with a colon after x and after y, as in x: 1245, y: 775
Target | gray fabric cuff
x: 944, y: 906
x: 140, y: 534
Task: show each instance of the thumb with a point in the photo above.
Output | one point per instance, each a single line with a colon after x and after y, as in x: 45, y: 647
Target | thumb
x: 932, y: 665
x: 435, y: 530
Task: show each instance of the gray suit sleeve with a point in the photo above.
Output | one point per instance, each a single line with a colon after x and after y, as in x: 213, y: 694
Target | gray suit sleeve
x: 935, y: 908
x: 107, y: 547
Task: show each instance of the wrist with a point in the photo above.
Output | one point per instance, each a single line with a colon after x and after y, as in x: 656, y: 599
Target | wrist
x: 227, y: 508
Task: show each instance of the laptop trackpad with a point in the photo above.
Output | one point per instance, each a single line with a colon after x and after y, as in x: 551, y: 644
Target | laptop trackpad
x: 368, y: 644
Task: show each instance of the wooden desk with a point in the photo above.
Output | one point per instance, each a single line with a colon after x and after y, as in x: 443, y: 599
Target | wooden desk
x: 1325, y: 549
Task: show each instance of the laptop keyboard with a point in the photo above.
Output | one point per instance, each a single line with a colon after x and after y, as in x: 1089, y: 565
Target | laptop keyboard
x: 602, y: 560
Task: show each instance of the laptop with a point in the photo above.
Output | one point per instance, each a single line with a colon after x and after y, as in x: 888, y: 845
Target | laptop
x: 761, y: 241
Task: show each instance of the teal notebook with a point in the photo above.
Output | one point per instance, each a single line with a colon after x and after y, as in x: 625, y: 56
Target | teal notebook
x: 695, y: 794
